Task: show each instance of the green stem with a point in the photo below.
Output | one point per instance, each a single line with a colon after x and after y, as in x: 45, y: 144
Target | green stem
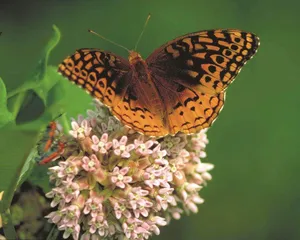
x: 53, y: 234
x: 16, y: 91
x: 8, y: 227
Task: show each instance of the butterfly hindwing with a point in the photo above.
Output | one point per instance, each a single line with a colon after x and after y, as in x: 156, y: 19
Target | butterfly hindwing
x: 188, y: 110
x: 134, y: 111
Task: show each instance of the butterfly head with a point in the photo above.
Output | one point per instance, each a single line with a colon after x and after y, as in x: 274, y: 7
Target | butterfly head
x: 134, y: 57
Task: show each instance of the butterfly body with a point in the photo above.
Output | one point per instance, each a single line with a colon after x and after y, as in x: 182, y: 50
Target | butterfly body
x: 179, y: 87
x: 144, y: 84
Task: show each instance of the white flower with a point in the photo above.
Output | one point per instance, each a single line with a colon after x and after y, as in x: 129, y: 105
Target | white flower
x: 82, y: 131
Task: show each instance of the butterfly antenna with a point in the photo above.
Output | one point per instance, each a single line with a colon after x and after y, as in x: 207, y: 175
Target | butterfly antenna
x: 140, y: 37
x: 91, y: 31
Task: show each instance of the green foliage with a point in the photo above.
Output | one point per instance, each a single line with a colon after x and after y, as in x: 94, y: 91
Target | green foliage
x: 40, y: 82
x: 5, y: 115
x: 44, y: 84
x: 27, y: 167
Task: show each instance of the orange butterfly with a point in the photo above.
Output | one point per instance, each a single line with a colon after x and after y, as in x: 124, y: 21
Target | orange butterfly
x: 179, y: 87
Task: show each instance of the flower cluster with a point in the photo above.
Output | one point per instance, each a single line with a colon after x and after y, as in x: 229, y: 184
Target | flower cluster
x: 118, y: 184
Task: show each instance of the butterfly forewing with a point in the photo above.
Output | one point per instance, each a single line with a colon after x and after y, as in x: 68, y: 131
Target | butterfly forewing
x: 193, y: 71
x: 206, y: 59
x: 101, y: 74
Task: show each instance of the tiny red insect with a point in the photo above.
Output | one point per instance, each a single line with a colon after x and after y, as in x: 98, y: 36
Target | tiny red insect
x: 54, y: 153
x: 49, y: 147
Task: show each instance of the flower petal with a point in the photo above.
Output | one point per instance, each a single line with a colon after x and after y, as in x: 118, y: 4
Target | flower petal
x: 95, y: 139
x: 124, y: 170
x: 74, y: 125
x: 104, y: 137
x: 123, y: 140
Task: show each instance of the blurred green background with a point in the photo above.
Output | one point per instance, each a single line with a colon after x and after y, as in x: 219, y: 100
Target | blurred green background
x: 254, y: 144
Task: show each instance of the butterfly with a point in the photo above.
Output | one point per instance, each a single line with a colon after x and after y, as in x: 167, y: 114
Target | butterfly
x: 179, y: 87
x: 49, y: 148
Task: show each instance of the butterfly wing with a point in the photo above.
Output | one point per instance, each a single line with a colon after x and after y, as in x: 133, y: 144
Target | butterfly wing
x: 101, y: 74
x: 134, y: 111
x: 192, y: 72
x: 108, y: 78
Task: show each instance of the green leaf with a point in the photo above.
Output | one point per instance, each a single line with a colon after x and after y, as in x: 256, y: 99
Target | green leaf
x: 40, y: 177
x: 5, y: 115
x: 43, y: 63
x: 56, y: 99
x: 27, y: 167
x: 40, y: 83
x: 14, y: 148
x: 58, y: 92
